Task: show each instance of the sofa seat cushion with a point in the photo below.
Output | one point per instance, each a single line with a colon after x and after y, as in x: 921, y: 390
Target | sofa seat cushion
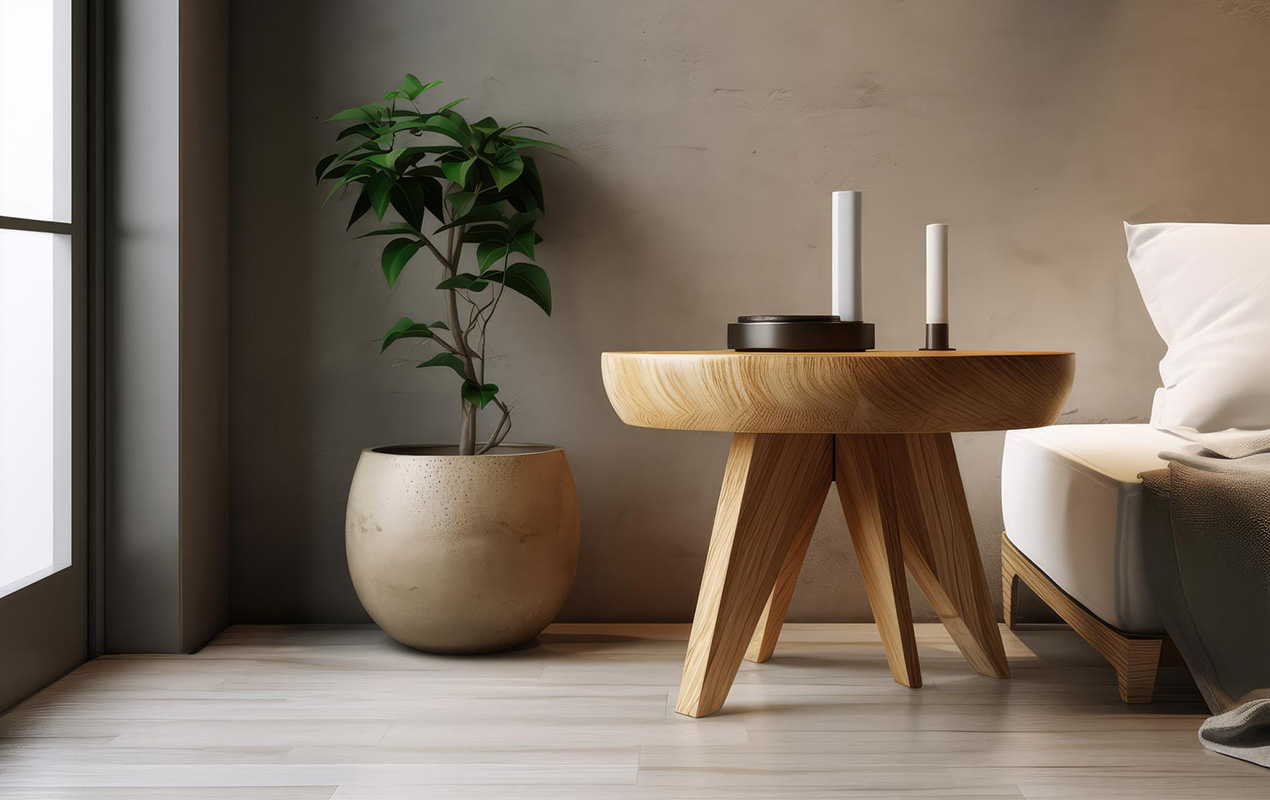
x: 1072, y: 504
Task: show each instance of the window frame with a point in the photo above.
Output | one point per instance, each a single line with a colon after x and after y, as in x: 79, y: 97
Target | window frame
x: 46, y: 620
x: 76, y: 232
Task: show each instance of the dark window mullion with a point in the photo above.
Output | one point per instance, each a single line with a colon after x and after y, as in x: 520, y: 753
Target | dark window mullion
x: 36, y: 225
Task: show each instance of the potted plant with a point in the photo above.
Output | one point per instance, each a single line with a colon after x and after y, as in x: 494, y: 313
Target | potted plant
x: 469, y: 547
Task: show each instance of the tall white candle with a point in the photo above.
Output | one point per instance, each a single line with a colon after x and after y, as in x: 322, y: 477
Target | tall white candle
x: 848, y: 301
x: 937, y: 273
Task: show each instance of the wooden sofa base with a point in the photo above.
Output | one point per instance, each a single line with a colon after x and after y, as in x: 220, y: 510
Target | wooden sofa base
x: 1136, y: 658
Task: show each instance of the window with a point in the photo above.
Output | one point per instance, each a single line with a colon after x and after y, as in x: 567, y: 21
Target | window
x: 36, y: 235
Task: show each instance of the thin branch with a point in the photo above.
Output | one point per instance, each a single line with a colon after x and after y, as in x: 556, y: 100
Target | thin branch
x: 493, y: 306
x: 449, y: 348
x: 500, y: 432
x: 445, y: 262
x: 452, y: 306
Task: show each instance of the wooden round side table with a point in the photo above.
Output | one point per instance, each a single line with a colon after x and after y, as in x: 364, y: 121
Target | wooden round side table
x: 878, y: 425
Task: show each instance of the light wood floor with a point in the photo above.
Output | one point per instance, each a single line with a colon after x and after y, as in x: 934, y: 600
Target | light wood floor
x: 315, y: 712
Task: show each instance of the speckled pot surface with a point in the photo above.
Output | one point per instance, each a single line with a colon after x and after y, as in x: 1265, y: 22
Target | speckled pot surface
x: 462, y: 554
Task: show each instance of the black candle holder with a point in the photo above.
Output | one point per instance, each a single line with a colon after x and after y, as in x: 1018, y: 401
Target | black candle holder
x: 799, y: 334
x: 937, y: 336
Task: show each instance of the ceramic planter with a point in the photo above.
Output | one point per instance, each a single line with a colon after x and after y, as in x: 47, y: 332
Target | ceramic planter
x: 462, y: 554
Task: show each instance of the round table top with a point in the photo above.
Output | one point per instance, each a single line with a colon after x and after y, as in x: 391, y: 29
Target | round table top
x: 878, y: 391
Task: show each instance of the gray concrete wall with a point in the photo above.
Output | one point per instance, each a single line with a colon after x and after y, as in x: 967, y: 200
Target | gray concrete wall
x: 706, y: 138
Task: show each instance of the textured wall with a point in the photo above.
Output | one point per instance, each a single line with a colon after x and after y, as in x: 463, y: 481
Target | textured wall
x: 706, y: 138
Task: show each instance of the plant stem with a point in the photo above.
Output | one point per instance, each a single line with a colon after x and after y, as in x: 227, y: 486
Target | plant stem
x: 467, y: 427
x: 500, y: 432
x: 467, y: 431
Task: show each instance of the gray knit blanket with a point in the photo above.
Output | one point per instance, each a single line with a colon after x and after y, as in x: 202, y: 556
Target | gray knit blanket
x: 1208, y: 565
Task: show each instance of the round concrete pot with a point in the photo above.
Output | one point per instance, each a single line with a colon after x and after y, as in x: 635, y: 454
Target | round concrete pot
x: 462, y: 554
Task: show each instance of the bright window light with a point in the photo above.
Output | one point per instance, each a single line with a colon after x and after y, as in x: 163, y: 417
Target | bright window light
x: 35, y: 110
x: 35, y: 291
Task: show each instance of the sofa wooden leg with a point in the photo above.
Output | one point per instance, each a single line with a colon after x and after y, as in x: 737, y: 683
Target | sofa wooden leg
x: 1135, y: 658
x: 1009, y: 586
x: 1136, y: 669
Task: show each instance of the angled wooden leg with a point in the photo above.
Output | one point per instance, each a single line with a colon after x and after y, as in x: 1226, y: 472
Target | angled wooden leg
x: 940, y: 547
x: 867, y: 490
x: 1136, y: 659
x: 769, y: 624
x: 1009, y: 587
x: 1136, y: 669
x: 768, y: 485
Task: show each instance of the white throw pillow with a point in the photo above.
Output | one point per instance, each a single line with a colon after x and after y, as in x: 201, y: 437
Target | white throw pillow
x: 1207, y: 288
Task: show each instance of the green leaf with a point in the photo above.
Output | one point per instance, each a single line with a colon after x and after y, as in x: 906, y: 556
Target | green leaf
x: 432, y: 194
x: 523, y: 220
x: 466, y: 281
x: 479, y: 395
x: 361, y: 151
x: 361, y: 129
x: 411, y: 86
x: 380, y: 189
x: 338, y: 171
x: 413, y: 155
x: 523, y: 243
x: 461, y: 202
x: 457, y: 119
x: 397, y: 254
x: 323, y: 164
x: 369, y: 113
x: 490, y: 253
x: 506, y: 166
x: 394, y: 229
x: 485, y: 213
x: 457, y: 170
x: 446, y: 360
x: 383, y: 133
x: 515, y: 126
x: 531, y: 281
x: 359, y: 208
x: 522, y: 143
x: 450, y: 104
x: 522, y: 200
x: 443, y: 125
x: 480, y: 234
x: 387, y: 160
x: 439, y: 325
x: 486, y: 126
x: 429, y: 170
x: 410, y: 200
x: 533, y: 181
x: 357, y: 173
x: 405, y: 328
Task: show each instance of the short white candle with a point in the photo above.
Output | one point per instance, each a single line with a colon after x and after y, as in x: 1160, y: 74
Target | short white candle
x: 848, y: 302
x: 937, y: 273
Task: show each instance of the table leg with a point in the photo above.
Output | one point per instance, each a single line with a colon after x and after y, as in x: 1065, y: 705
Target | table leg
x: 940, y: 547
x: 768, y: 485
x: 769, y: 624
x: 866, y: 485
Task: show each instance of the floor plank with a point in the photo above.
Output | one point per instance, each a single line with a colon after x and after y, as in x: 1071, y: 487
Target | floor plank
x: 317, y: 712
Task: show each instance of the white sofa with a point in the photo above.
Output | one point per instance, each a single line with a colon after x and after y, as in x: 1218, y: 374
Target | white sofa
x: 1072, y: 505
x: 1071, y: 499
